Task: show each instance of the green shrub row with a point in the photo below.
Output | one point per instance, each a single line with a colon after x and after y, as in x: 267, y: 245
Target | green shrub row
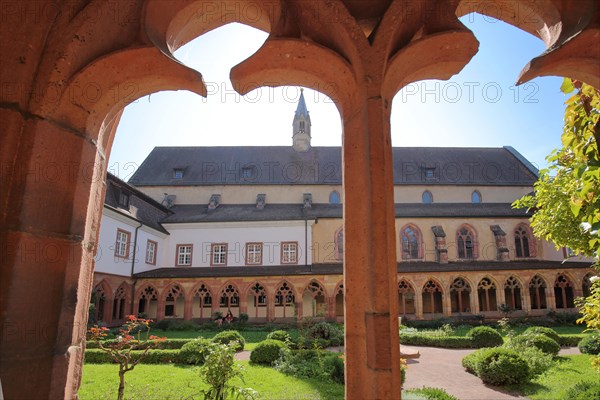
x: 570, y: 340
x: 498, y: 366
x: 450, y: 342
x: 169, y: 344
x: 97, y: 356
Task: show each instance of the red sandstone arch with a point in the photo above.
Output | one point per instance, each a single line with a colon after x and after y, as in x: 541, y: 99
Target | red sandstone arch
x: 204, y: 294
x: 487, y: 294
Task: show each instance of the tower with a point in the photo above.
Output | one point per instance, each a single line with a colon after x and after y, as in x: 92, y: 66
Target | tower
x: 301, y: 126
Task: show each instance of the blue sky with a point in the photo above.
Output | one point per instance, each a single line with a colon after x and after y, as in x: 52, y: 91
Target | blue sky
x: 480, y: 107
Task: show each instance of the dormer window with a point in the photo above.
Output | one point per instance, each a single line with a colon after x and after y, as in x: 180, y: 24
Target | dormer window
x: 248, y: 173
x: 429, y: 173
x: 178, y: 173
x: 123, y: 200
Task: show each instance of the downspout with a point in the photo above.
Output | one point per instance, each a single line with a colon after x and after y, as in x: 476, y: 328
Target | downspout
x: 135, y: 236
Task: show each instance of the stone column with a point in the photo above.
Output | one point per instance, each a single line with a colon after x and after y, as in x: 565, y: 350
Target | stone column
x: 299, y: 311
x: 474, y: 301
x: 447, y: 306
x: 419, y: 305
x: 188, y: 307
x: 160, y: 308
x: 270, y: 309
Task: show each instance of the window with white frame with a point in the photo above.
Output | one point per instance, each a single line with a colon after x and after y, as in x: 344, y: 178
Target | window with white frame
x: 289, y: 252
x: 184, y: 254
x: 254, y: 253
x: 218, y: 254
x: 151, y: 246
x: 122, y: 244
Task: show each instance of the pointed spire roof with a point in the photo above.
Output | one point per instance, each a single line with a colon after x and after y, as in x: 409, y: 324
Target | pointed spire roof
x: 301, y: 110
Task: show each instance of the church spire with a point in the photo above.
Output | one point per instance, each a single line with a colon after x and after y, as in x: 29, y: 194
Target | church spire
x: 301, y: 126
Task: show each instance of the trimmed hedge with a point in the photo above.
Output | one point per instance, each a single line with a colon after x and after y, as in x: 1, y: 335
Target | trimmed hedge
x: 169, y: 344
x: 450, y: 342
x: 539, y: 340
x: 570, y: 340
x: 280, y: 335
x: 97, y: 356
x: 267, y: 351
x: 484, y: 336
x: 195, y: 351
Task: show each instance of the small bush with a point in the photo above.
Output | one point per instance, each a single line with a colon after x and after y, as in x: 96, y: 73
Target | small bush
x: 327, y: 331
x: 539, y: 340
x: 336, y: 367
x: 310, y: 364
x: 432, y: 393
x: 267, y: 352
x: 449, y: 342
x: 469, y: 362
x: 549, y: 332
x: 585, y: 390
x: 590, y: 344
x: 243, y: 318
x: 280, y: 335
x: 484, y: 336
x: 226, y: 337
x: 499, y: 366
x: 194, y: 352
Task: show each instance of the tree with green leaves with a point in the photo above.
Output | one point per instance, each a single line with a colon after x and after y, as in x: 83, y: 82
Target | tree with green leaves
x: 566, y: 203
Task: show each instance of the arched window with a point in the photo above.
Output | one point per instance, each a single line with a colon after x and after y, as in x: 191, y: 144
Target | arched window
x: 119, y: 304
x: 258, y: 297
x: 460, y: 296
x: 284, y: 297
x: 230, y: 297
x: 339, y: 244
x: 339, y: 300
x: 411, y: 242
x: 99, y: 300
x: 204, y: 301
x: 465, y: 242
x: 563, y: 292
x: 432, y: 298
x: 537, y: 293
x: 334, y: 197
x: 512, y: 293
x: 314, y: 295
x: 586, y: 285
x: 486, y: 294
x: 524, y: 243
x: 427, y: 197
x: 147, y: 302
x: 174, y: 302
x: 476, y: 197
x: 406, y: 298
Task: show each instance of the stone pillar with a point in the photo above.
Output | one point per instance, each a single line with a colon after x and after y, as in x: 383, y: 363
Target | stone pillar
x: 331, y: 307
x: 550, y: 299
x: 447, y: 303
x: 160, y: 308
x: 188, y: 307
x: 419, y: 305
x: 500, y: 295
x: 270, y: 309
x: 474, y: 301
x: 526, y: 299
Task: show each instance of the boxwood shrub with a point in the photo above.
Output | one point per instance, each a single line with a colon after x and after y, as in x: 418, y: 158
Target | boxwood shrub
x: 549, y: 332
x: 280, y: 335
x: 539, y: 340
x: 195, y: 351
x: 499, y: 366
x: 226, y: 337
x: 484, y: 336
x: 267, y: 351
x: 590, y: 344
x: 449, y: 342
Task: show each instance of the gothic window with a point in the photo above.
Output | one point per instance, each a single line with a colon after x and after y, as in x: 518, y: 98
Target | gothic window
x: 460, y: 296
x: 339, y: 300
x: 230, y: 297
x: 537, y: 293
x: 334, y: 197
x: 512, y: 293
x: 427, y: 197
x: 204, y: 299
x: 475, y: 197
x: 406, y: 298
x: 119, y: 304
x: 432, y: 298
x: 465, y: 242
x: 99, y: 298
x: 486, y: 294
x: 147, y: 302
x: 524, y: 245
x: 586, y: 285
x: 316, y: 294
x: 563, y: 292
x: 411, y: 242
x: 257, y: 291
x: 171, y: 301
x: 284, y: 297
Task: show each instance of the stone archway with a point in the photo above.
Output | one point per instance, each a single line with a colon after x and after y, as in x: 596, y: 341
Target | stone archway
x: 69, y: 71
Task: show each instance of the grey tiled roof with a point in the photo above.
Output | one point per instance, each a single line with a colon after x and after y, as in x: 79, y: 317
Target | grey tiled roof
x: 280, y: 212
x: 322, y: 165
x: 336, y: 269
x: 141, y: 207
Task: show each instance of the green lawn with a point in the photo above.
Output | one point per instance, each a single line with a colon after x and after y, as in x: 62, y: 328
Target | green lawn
x: 100, y: 381
x: 554, y: 384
